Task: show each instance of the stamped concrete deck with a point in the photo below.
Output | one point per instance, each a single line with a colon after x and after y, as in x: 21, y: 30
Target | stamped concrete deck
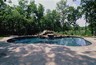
x: 46, y: 54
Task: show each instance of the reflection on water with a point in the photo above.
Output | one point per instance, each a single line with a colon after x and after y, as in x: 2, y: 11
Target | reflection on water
x: 67, y: 41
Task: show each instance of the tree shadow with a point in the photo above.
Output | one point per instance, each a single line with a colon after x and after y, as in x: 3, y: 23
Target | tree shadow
x: 4, y: 49
x: 37, y: 55
x: 24, y: 55
x: 65, y: 56
x: 91, y: 53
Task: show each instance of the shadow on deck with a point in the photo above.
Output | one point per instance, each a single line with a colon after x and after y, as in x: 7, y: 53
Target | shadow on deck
x: 43, y: 55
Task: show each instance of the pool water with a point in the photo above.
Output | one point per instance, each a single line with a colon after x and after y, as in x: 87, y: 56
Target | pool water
x: 67, y: 41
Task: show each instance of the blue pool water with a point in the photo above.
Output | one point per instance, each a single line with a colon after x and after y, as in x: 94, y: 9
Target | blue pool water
x: 67, y: 41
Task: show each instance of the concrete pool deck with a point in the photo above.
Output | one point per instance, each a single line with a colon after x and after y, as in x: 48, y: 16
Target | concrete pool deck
x: 46, y: 54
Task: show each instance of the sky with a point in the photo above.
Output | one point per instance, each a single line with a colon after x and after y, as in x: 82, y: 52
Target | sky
x: 51, y: 4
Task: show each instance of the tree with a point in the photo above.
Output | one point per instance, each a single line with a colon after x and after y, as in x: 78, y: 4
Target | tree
x: 73, y: 16
x: 62, y: 8
x: 3, y: 9
x: 51, y: 21
x: 56, y: 20
x: 89, y: 9
x: 40, y: 13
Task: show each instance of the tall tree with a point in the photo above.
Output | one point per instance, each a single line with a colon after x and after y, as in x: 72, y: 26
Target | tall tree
x: 73, y: 16
x: 62, y: 8
x: 89, y: 9
x: 51, y: 21
x: 40, y: 13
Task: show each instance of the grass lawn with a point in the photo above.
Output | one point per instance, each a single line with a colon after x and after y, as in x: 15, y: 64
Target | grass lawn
x: 1, y: 37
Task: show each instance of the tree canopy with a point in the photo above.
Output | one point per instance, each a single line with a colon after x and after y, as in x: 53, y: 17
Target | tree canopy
x: 30, y: 18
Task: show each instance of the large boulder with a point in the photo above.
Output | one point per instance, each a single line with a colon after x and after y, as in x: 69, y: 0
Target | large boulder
x: 49, y: 34
x: 46, y: 32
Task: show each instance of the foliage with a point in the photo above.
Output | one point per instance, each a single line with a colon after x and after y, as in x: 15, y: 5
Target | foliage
x: 89, y: 10
x: 28, y: 18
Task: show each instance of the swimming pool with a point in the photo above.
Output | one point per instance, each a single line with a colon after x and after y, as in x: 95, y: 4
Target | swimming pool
x: 66, y: 41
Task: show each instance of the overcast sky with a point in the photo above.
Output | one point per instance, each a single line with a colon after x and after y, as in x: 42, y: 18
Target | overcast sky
x: 51, y: 4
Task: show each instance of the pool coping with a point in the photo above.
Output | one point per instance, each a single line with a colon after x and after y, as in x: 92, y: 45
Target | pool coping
x: 78, y: 49
x: 90, y: 39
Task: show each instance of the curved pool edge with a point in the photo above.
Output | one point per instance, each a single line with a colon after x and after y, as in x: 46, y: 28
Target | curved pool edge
x: 90, y: 39
x: 6, y: 39
x: 22, y: 38
x: 75, y: 55
x: 78, y: 49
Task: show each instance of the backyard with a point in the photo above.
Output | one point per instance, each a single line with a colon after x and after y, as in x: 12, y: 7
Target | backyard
x: 48, y: 32
x: 46, y: 54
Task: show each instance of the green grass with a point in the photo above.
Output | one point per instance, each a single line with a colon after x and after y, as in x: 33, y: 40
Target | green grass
x: 76, y: 32
x: 1, y: 37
